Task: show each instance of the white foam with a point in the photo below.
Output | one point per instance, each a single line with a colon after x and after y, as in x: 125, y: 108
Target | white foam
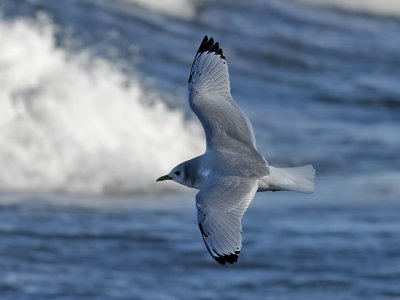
x: 178, y: 8
x: 70, y: 123
x: 379, y: 7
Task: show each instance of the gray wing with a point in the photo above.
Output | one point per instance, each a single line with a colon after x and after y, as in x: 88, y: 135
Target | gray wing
x: 211, y: 100
x: 220, y: 207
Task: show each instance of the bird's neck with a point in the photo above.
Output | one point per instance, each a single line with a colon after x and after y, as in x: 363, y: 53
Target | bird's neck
x: 195, y: 173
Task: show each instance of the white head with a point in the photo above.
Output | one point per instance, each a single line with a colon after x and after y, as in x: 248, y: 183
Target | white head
x: 186, y: 173
x: 177, y: 174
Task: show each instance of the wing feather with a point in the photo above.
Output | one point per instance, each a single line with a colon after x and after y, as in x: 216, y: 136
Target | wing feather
x: 211, y: 100
x: 220, y: 207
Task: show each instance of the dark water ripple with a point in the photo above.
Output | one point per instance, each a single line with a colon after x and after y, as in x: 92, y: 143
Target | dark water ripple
x: 290, y: 252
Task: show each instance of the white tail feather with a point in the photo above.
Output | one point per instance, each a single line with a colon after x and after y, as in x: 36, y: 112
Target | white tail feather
x: 298, y: 179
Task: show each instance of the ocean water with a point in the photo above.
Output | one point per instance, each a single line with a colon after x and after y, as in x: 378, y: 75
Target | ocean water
x: 93, y: 108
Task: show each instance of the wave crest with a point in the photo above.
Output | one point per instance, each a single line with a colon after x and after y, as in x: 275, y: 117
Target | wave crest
x: 74, y: 124
x: 179, y: 8
x: 382, y: 7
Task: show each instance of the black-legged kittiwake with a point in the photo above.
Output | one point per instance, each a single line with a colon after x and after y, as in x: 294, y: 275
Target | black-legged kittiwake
x: 231, y: 170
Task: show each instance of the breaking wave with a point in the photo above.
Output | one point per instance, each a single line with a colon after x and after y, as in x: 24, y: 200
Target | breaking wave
x: 382, y: 7
x: 178, y: 8
x: 71, y: 123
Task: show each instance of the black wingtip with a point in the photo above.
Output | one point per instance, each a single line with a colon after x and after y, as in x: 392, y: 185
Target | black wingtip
x: 229, y: 258
x: 222, y: 259
x: 208, y: 45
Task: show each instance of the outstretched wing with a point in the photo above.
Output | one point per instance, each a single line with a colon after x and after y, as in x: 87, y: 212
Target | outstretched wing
x: 220, y: 207
x: 210, y: 99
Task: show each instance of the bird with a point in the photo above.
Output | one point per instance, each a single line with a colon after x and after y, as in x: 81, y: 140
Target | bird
x: 231, y: 170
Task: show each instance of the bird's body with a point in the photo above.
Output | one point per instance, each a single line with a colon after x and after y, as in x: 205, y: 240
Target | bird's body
x: 231, y: 170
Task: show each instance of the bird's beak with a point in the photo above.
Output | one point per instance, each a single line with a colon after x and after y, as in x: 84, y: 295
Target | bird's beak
x: 165, y: 177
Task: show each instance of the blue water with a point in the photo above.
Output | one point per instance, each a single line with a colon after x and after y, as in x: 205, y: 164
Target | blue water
x: 154, y: 251
x: 93, y: 109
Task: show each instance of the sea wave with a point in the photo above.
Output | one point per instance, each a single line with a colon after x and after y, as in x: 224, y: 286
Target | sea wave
x: 382, y: 7
x: 73, y: 123
x: 178, y: 8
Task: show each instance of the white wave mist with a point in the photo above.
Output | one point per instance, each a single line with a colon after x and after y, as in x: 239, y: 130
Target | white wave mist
x: 178, y: 8
x: 381, y: 7
x: 69, y: 123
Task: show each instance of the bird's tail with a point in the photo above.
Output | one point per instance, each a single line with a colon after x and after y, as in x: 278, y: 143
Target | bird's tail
x: 298, y: 179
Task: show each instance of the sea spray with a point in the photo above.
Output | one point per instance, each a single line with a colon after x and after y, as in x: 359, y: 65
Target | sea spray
x: 73, y: 123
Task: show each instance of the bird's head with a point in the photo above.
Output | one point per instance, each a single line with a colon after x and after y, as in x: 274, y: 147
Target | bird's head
x: 177, y: 174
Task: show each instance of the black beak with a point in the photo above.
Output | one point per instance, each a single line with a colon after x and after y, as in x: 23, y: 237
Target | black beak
x: 165, y: 177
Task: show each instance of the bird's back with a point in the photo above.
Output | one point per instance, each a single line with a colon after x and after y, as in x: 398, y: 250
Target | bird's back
x: 241, y: 161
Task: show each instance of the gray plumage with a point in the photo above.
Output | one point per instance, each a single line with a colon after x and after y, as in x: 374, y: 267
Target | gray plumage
x: 231, y: 170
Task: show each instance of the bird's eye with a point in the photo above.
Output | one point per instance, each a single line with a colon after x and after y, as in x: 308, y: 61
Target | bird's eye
x: 177, y: 173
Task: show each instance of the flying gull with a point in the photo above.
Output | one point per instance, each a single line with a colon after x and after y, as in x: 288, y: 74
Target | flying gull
x: 231, y: 170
